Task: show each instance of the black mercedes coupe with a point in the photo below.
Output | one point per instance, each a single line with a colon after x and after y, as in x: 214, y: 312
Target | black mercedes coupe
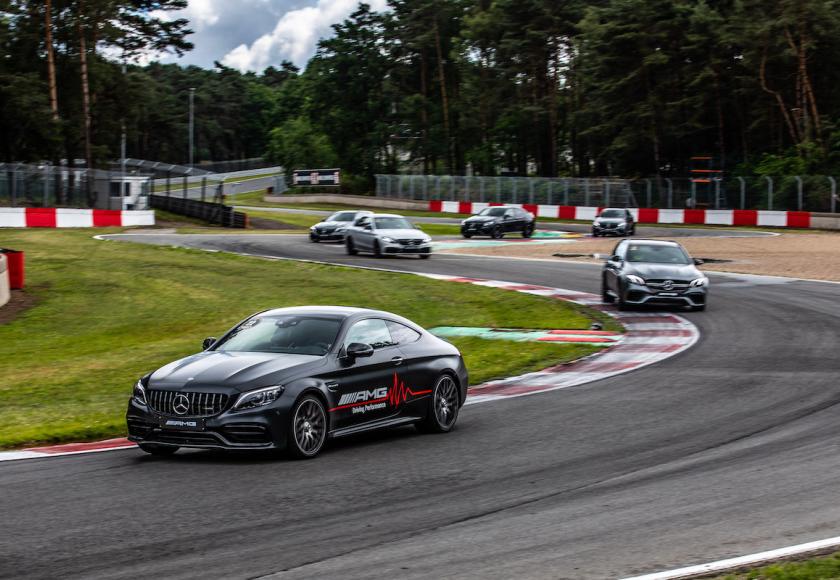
x: 292, y: 378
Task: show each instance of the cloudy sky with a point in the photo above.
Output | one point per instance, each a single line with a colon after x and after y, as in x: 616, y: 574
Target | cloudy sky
x: 253, y: 34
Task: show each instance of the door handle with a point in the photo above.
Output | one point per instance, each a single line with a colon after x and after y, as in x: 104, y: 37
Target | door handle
x: 397, y: 360
x: 332, y: 386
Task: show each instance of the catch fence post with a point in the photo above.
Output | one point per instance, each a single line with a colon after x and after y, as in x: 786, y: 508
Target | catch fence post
x: 769, y: 192
x: 743, y: 191
x: 550, y: 191
x: 566, y: 192
x: 531, y: 191
x: 498, y: 190
x: 798, y: 192
x: 586, y: 192
x: 670, y: 192
x: 184, y: 187
x: 514, y: 192
x: 481, y: 182
x: 46, y: 186
x: 717, y: 192
x: 833, y: 183
x: 203, y: 188
x: 649, y: 192
x: 607, y: 192
x: 167, y: 183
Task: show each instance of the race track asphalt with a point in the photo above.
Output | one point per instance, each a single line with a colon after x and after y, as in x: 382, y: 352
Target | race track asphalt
x: 729, y: 448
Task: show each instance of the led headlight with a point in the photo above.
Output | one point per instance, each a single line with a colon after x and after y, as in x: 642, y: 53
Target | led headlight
x: 633, y: 279
x: 139, y: 393
x: 387, y: 240
x: 258, y: 398
x: 699, y: 282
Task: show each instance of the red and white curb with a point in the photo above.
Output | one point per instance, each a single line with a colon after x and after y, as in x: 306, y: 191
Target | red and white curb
x: 647, y: 215
x: 51, y: 217
x: 651, y: 337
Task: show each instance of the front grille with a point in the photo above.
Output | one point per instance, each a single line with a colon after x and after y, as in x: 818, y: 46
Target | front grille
x: 410, y: 242
x: 139, y: 428
x: 199, y: 404
x: 661, y: 280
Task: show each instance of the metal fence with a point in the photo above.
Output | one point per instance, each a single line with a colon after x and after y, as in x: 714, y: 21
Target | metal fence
x: 816, y: 193
x: 534, y: 190
x: 23, y: 185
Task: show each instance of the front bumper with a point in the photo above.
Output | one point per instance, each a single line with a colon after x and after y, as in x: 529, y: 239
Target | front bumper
x: 399, y: 248
x: 639, y: 295
x: 261, y: 428
x: 614, y: 230
x: 478, y: 228
x: 334, y: 236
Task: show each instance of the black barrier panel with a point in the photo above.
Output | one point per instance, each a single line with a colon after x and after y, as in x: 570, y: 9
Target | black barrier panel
x: 214, y: 213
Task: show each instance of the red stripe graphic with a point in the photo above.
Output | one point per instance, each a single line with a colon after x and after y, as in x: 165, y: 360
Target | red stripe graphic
x: 399, y: 393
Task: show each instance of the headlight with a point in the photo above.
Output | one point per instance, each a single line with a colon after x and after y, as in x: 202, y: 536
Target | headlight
x: 340, y: 229
x: 258, y: 398
x: 387, y: 240
x: 313, y: 227
x: 699, y: 282
x: 622, y: 224
x: 633, y: 279
x: 139, y: 393
x: 427, y: 239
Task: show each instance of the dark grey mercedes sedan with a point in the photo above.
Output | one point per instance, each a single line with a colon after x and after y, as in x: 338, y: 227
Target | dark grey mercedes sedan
x: 653, y: 272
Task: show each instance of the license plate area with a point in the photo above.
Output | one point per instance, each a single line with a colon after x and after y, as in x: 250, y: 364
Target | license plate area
x: 185, y: 424
x: 668, y: 294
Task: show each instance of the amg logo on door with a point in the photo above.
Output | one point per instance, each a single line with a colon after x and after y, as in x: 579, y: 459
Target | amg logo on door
x: 361, y: 396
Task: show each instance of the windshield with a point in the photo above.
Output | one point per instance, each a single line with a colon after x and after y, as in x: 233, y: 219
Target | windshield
x: 612, y: 213
x: 657, y: 254
x: 493, y: 211
x: 393, y: 223
x: 286, y: 334
x: 342, y: 216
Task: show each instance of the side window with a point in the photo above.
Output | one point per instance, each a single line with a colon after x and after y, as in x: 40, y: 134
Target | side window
x: 363, y: 221
x: 372, y: 331
x: 620, y: 249
x: 401, y: 334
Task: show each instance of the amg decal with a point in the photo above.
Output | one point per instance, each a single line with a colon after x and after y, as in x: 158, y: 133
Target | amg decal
x: 362, y: 396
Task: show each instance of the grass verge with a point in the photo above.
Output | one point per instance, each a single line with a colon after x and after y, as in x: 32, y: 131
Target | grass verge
x: 821, y: 568
x: 107, y: 312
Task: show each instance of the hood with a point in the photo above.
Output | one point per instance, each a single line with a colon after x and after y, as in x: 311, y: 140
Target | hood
x: 482, y: 218
x: 404, y: 234
x: 664, y: 271
x: 237, y: 370
x: 601, y: 220
x: 326, y: 224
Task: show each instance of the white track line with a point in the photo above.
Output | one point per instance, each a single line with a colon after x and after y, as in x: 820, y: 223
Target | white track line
x: 741, y: 561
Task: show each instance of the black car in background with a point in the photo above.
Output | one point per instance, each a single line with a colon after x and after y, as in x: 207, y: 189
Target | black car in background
x: 653, y: 272
x: 290, y: 378
x: 496, y: 221
x: 333, y: 228
x: 615, y: 222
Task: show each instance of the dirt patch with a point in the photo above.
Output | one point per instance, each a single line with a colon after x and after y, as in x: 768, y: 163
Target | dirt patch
x: 797, y: 255
x: 267, y: 224
x: 19, y: 302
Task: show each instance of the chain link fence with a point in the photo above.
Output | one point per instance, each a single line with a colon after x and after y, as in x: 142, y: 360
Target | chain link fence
x: 815, y: 193
x: 23, y: 185
x: 531, y: 190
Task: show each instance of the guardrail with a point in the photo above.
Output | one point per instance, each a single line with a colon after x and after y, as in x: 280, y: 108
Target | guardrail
x: 214, y: 213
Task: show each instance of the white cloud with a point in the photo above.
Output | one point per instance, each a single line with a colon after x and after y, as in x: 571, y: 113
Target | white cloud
x: 295, y: 36
x: 200, y: 13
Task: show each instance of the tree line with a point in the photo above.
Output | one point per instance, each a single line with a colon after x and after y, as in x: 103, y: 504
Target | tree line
x: 542, y: 87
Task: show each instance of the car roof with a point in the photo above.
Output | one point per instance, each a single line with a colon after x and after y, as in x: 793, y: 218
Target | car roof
x: 615, y: 208
x: 377, y: 215
x: 333, y: 311
x: 645, y: 242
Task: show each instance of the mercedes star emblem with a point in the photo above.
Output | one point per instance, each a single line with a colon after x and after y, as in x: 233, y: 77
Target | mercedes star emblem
x: 668, y: 285
x: 180, y: 404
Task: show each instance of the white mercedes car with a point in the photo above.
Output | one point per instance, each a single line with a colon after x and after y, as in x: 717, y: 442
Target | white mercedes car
x: 381, y: 234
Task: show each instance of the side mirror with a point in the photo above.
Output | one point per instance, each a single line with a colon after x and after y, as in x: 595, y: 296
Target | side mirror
x: 368, y: 227
x: 698, y: 262
x: 359, y: 350
x: 616, y: 259
x: 208, y: 342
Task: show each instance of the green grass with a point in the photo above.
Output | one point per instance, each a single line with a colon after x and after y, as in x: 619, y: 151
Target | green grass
x: 107, y: 312
x: 822, y: 568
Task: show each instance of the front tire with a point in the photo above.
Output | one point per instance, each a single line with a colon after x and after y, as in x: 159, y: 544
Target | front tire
x: 308, y: 428
x: 313, y: 238
x: 351, y: 247
x: 377, y: 251
x: 159, y: 450
x: 443, y: 407
x: 497, y: 233
x: 606, y: 297
x: 528, y: 231
x: 466, y: 235
x: 425, y: 256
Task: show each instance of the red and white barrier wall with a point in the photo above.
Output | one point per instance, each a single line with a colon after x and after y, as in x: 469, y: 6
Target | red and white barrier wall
x: 721, y: 217
x: 50, y: 217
